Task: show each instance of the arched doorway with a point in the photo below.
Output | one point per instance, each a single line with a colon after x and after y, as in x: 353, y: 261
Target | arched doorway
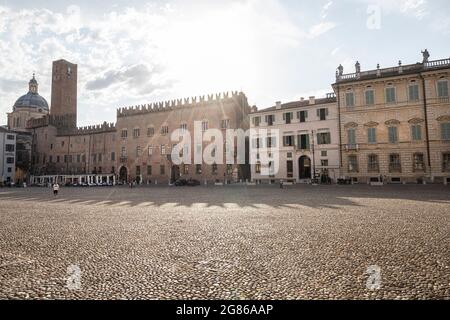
x: 123, y: 175
x: 304, y: 167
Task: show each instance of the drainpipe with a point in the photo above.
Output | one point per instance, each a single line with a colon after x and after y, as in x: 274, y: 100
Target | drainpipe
x: 339, y: 128
x: 425, y: 110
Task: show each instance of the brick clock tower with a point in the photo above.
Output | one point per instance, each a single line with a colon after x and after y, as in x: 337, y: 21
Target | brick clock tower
x: 64, y: 92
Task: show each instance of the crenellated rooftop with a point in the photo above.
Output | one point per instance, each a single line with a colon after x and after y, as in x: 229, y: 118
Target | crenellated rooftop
x: 423, y: 66
x: 105, y: 127
x: 170, y: 105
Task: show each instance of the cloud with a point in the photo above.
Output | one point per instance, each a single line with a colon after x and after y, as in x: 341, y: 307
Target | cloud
x: 414, y: 8
x: 320, y: 29
x: 325, y: 9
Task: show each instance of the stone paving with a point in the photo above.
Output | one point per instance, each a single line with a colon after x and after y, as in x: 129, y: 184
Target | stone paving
x: 261, y: 242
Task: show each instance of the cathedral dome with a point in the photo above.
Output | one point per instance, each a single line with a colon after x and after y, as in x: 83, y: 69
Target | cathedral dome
x: 32, y: 99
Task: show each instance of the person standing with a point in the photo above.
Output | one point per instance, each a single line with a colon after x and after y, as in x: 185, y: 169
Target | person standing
x: 55, y: 189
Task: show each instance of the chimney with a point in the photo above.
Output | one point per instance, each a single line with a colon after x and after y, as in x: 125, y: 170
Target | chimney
x: 302, y: 99
x: 278, y: 105
x: 312, y: 100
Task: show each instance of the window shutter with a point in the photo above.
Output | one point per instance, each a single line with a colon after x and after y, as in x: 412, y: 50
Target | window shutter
x: 318, y: 112
x: 306, y: 114
x: 326, y: 112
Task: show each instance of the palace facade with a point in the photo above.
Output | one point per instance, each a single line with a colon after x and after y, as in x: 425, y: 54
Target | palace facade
x: 307, y: 139
x: 389, y: 124
x: 395, y: 122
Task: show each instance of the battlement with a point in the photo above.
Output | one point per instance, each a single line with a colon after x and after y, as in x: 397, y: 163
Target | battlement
x: 59, y: 121
x: 165, y: 106
x: 105, y: 127
x: 62, y: 123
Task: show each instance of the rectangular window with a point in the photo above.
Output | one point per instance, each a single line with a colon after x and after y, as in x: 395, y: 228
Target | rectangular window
x: 78, y: 158
x: 163, y: 149
x: 149, y: 170
x: 185, y: 169
x: 390, y: 95
x: 324, y: 163
x: 138, y: 151
x: 303, y: 141
x: 370, y: 97
x: 113, y: 156
x: 136, y: 133
x: 198, y: 169
x: 10, y: 137
x: 271, y: 142
x: 150, y: 150
x: 9, y: 148
x: 302, y: 116
x: 324, y: 153
x: 351, y: 134
x: 443, y: 89
x: 138, y: 170
x: 353, y: 163
x: 150, y: 132
x: 204, y: 126
x: 258, y: 168
x: 323, y: 138
x: 164, y: 130
x: 322, y: 114
x: 162, y: 169
x: 287, y: 117
x: 416, y: 132
x: 445, y: 131
x: 225, y: 124
x: 9, y: 160
x: 50, y: 159
x: 123, y: 152
x: 229, y: 169
x: 124, y: 133
x: 394, y: 163
x: 270, y: 119
x: 58, y: 159
x: 393, y: 134
x: 349, y: 99
x: 256, y: 121
x: 446, y: 162
x: 372, y: 135
x: 419, y: 164
x: 288, y: 141
x: 413, y: 93
x: 372, y: 163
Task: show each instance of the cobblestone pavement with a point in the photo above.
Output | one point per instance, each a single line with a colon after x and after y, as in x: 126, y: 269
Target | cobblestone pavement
x: 260, y: 242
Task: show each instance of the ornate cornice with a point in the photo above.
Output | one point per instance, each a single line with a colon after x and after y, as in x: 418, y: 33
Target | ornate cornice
x: 371, y: 124
x: 444, y: 118
x: 392, y: 122
x: 351, y: 125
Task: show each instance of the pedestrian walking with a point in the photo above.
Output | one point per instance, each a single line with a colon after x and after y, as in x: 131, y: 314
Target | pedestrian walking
x: 281, y: 184
x: 55, y: 189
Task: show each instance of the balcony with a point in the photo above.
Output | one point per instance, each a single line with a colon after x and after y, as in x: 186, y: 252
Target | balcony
x: 351, y: 147
x: 395, y: 167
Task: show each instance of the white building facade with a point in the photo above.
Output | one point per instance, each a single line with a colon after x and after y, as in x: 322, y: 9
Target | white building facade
x: 303, y: 135
x: 7, y: 156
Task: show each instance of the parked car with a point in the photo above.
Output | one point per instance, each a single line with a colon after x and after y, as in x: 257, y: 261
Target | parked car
x: 193, y: 183
x: 180, y: 183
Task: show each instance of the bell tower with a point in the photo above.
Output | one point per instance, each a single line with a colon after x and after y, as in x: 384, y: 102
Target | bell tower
x: 64, y: 91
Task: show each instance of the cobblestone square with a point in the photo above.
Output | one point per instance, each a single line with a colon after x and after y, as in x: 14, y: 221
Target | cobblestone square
x: 235, y: 242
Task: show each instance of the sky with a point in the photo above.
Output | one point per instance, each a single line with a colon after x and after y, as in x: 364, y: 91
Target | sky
x: 137, y: 52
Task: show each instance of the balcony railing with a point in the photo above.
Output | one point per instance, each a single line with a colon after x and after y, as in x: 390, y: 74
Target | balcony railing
x: 351, y: 147
x: 436, y: 64
x: 395, y: 167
